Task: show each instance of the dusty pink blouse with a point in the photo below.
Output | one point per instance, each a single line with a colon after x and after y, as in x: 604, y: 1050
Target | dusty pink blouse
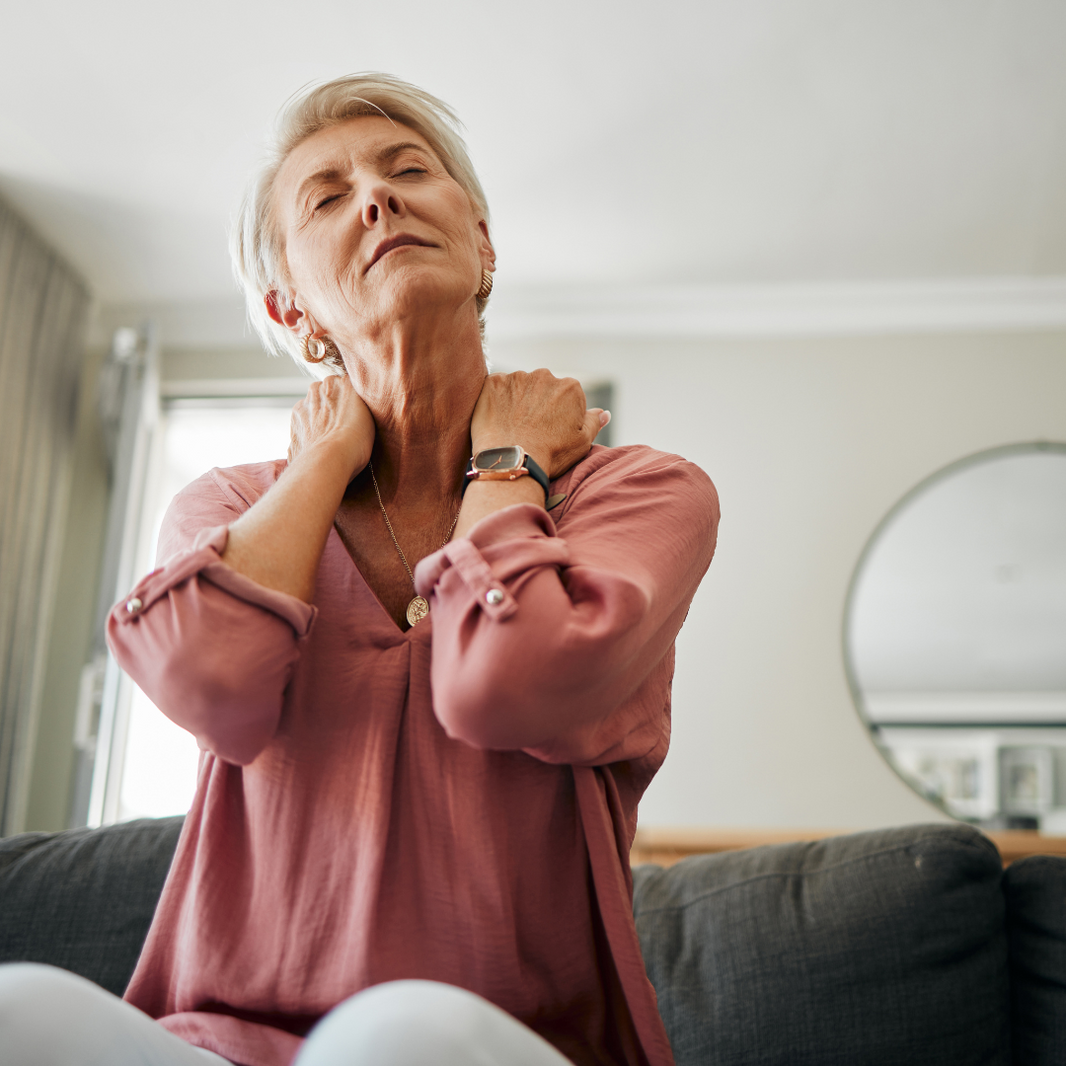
x: 454, y: 803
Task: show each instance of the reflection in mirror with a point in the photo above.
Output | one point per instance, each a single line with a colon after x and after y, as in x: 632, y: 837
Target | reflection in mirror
x: 955, y: 638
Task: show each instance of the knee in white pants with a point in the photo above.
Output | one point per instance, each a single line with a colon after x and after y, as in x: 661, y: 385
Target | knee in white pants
x: 415, y: 1023
x: 36, y: 999
x: 49, y: 1017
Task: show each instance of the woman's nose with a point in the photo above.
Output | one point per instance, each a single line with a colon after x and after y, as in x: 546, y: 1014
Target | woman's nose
x: 381, y: 201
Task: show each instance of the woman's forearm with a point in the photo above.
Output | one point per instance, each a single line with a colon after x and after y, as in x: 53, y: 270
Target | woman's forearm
x: 542, y: 631
x: 484, y: 497
x: 279, y: 541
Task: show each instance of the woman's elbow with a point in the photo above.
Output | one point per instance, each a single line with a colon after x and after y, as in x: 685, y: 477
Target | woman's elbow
x: 224, y: 683
x: 488, y: 728
x: 508, y: 708
x: 502, y: 686
x: 232, y: 712
x: 230, y: 721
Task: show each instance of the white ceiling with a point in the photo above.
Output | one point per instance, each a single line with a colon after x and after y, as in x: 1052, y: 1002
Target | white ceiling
x: 621, y: 144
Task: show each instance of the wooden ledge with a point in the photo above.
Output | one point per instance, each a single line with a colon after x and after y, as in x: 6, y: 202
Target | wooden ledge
x: 665, y: 846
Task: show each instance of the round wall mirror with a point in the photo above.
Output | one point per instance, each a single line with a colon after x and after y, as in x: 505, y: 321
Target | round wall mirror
x: 955, y: 638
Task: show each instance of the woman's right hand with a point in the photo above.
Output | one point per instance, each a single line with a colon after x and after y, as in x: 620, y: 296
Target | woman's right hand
x: 279, y: 540
x: 546, y: 415
x: 333, y: 415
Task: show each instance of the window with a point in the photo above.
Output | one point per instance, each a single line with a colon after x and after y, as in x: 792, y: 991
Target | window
x: 159, y: 767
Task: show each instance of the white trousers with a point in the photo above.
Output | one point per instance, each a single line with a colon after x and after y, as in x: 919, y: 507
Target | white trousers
x: 49, y: 1017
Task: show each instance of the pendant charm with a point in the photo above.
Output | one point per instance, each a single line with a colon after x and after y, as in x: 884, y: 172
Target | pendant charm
x: 417, y: 609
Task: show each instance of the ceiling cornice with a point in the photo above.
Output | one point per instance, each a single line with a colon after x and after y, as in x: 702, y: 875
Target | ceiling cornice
x: 787, y: 310
x: 686, y: 311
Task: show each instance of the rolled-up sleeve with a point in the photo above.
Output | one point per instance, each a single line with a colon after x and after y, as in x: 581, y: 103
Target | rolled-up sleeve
x: 211, y: 648
x: 558, y: 639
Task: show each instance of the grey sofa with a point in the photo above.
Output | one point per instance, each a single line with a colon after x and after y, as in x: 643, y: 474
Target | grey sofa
x: 899, y: 946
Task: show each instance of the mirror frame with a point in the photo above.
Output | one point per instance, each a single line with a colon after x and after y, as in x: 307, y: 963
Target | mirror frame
x: 857, y: 698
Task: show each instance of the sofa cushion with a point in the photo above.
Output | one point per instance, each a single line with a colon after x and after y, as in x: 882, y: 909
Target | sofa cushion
x: 881, y: 947
x: 1035, y: 890
x: 84, y: 899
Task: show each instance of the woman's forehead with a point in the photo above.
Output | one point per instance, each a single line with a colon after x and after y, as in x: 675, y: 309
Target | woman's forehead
x: 367, y: 139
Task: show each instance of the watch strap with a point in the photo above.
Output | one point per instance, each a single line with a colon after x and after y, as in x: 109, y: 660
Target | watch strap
x: 533, y: 468
x: 537, y: 473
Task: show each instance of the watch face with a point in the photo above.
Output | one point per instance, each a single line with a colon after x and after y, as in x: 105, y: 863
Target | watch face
x: 496, y: 460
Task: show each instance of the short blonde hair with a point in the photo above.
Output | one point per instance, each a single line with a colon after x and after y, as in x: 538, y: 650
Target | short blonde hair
x: 255, y: 243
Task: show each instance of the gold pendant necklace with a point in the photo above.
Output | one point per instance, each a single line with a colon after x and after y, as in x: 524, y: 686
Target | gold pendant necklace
x: 418, y: 608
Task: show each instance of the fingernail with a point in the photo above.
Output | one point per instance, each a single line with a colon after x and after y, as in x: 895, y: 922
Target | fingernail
x: 605, y: 417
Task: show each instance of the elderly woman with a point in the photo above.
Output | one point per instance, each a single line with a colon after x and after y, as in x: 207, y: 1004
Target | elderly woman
x: 428, y: 659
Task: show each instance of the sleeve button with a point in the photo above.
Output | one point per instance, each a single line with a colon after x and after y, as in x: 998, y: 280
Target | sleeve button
x: 133, y: 605
x: 494, y: 597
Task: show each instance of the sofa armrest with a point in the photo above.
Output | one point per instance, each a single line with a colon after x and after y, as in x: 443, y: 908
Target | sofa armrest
x: 884, y: 947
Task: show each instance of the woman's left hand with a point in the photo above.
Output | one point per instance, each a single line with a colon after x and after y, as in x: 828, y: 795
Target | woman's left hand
x: 546, y: 415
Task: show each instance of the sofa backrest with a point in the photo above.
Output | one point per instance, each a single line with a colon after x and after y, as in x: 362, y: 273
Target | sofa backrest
x: 83, y: 900
x: 1035, y: 889
x: 886, y: 947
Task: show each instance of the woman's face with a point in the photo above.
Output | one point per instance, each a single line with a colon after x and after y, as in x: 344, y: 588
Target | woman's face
x: 375, y: 230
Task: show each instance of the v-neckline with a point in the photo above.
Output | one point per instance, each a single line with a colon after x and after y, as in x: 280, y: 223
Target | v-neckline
x: 562, y: 482
x: 403, y: 634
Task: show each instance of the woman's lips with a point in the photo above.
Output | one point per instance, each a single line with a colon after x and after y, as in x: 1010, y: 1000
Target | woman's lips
x: 398, y: 241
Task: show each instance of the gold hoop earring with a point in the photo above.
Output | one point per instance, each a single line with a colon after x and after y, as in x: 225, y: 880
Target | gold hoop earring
x: 317, y: 349
x: 486, y: 285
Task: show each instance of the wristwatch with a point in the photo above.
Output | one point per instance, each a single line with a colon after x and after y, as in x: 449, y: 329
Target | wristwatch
x: 504, y: 464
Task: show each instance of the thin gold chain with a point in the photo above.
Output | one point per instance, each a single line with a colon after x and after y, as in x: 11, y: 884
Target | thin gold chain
x: 388, y: 526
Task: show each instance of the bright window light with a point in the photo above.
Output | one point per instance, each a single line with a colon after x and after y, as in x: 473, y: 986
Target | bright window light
x: 161, y: 759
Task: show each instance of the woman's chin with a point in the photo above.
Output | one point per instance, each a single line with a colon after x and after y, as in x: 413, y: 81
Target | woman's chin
x: 418, y: 295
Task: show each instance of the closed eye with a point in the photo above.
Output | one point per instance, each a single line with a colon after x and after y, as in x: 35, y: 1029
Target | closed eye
x: 327, y: 200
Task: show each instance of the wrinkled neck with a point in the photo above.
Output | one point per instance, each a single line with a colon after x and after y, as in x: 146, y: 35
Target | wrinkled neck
x: 421, y: 384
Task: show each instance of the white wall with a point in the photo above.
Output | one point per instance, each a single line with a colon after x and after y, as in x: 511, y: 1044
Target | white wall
x: 809, y: 442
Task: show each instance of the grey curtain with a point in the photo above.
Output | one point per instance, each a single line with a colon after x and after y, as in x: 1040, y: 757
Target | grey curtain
x: 43, y: 306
